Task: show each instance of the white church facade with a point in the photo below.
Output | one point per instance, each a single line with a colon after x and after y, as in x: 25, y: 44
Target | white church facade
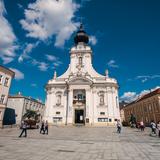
x: 81, y: 95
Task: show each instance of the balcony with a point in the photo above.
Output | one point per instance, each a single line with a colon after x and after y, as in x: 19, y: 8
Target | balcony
x: 79, y: 101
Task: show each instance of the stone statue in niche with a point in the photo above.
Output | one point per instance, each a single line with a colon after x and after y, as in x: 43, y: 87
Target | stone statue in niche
x: 58, y: 100
x: 102, y: 99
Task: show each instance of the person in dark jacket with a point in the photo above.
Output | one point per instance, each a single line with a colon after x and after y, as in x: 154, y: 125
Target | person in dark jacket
x: 46, y: 127
x: 42, y: 128
x: 24, y: 129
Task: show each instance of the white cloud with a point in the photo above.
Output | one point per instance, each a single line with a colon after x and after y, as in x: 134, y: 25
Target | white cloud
x: 128, y: 96
x: 51, y: 57
x: 112, y: 63
x: 93, y: 40
x: 42, y: 66
x: 7, y: 38
x: 132, y: 96
x: 54, y: 59
x: 18, y: 74
x: 33, y: 85
x: 145, y: 78
x: 28, y: 48
x: 47, y: 18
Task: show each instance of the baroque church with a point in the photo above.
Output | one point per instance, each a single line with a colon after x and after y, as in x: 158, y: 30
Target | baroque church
x: 81, y: 95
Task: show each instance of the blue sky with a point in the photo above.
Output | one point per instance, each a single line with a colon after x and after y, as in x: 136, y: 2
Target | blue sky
x: 36, y: 36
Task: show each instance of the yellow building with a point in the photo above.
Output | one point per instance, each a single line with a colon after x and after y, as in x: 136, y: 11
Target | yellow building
x: 146, y: 108
x: 6, y: 76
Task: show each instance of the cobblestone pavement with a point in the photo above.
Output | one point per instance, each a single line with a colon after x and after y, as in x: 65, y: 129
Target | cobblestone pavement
x: 79, y: 143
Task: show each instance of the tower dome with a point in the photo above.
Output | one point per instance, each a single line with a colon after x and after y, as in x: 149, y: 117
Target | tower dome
x: 81, y: 36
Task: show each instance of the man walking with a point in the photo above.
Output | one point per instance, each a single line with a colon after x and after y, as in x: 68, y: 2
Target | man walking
x: 46, y: 127
x: 153, y: 127
x: 118, y: 126
x: 24, y: 129
x: 42, y: 128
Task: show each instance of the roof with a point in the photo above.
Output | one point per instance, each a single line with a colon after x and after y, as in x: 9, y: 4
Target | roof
x: 7, y: 70
x: 122, y: 104
x: 25, y: 97
x: 148, y: 95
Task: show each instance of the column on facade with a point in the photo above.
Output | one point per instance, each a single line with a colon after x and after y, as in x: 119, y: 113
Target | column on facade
x: 94, y: 105
x: 51, y: 104
x: 106, y: 103
x: 110, y: 105
x: 70, y: 107
x: 89, y: 113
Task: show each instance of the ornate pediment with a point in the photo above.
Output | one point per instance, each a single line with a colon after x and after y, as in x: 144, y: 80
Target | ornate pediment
x: 80, y: 81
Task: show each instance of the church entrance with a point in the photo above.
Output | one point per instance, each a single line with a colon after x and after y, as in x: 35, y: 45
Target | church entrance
x: 79, y: 116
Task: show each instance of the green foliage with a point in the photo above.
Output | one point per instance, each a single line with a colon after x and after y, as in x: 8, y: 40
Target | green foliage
x: 30, y: 114
x: 132, y: 119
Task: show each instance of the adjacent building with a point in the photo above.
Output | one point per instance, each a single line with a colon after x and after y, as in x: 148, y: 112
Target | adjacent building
x: 22, y: 103
x: 145, y: 108
x: 6, y: 76
x: 81, y: 95
x: 121, y: 106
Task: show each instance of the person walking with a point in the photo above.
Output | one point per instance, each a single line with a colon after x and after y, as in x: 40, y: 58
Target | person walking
x: 24, y: 129
x: 46, y: 127
x: 42, y: 127
x: 142, y: 126
x: 118, y: 126
x: 158, y: 127
x: 153, y: 127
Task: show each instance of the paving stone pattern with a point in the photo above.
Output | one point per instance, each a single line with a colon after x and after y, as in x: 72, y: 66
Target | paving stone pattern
x: 79, y: 143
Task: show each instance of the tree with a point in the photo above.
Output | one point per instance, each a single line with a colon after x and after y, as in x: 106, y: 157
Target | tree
x: 30, y: 114
x: 132, y: 120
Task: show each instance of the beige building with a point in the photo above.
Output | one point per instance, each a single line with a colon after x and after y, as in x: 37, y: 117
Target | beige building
x: 146, y: 108
x: 6, y: 76
x: 121, y: 106
x: 22, y: 103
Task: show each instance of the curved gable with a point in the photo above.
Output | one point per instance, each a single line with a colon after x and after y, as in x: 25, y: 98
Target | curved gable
x: 80, y: 80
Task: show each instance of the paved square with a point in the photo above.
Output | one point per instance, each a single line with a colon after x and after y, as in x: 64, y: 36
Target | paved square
x: 79, y: 143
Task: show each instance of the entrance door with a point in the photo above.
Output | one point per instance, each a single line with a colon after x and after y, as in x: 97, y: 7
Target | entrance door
x: 79, y: 116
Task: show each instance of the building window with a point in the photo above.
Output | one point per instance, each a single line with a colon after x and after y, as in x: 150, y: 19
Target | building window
x: 110, y: 120
x: 80, y: 96
x: 6, y: 81
x: 2, y: 99
x: 102, y: 113
x: 1, y: 77
x: 102, y: 119
x: 58, y: 112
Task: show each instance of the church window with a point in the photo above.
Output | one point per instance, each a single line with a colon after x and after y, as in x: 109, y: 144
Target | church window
x: 110, y: 120
x: 80, y: 96
x: 58, y: 112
